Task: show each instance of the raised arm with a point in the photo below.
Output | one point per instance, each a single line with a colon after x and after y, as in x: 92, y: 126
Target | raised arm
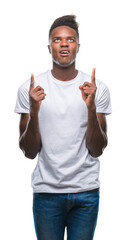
x: 96, y: 137
x: 30, y: 139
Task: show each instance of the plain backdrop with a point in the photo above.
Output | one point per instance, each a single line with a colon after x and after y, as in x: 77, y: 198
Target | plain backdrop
x: 24, y: 29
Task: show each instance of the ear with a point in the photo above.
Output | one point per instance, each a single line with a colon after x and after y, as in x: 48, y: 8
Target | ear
x: 78, y: 47
x: 49, y: 48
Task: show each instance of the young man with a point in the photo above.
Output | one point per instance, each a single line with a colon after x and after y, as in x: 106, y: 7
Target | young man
x: 63, y: 121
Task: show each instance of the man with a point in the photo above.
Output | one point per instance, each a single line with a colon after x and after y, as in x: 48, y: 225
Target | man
x: 63, y: 121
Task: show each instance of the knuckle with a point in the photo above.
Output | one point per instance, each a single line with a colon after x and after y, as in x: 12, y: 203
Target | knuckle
x: 86, y: 83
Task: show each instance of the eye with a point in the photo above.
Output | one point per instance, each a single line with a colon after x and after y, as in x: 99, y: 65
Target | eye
x: 57, y: 40
x: 71, y: 40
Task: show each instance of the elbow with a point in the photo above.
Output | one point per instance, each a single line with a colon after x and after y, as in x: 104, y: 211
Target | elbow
x: 98, y: 151
x: 95, y: 154
x: 28, y: 154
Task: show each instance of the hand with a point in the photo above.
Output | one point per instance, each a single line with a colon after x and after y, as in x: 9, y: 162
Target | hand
x: 36, y: 95
x: 88, y: 91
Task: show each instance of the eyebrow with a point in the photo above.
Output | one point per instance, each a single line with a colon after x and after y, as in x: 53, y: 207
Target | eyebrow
x: 62, y: 37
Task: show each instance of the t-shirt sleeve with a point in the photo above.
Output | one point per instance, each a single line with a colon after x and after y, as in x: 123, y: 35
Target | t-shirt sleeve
x: 103, y: 101
x: 22, y: 103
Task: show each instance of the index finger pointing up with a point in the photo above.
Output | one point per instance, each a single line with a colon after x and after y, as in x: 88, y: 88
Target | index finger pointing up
x: 93, y: 76
x: 32, y: 82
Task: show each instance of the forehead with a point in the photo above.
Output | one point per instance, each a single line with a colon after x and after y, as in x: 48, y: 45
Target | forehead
x: 63, y: 31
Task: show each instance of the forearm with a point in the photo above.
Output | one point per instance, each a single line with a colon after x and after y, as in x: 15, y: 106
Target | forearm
x: 96, y: 139
x: 30, y: 140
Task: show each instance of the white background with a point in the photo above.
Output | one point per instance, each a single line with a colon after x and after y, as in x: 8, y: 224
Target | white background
x: 23, y: 50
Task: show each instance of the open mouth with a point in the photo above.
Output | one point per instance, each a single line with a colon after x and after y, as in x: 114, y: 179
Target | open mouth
x: 64, y: 53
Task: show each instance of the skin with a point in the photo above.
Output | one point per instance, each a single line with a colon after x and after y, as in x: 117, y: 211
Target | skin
x: 96, y: 136
x: 30, y: 140
x: 62, y: 39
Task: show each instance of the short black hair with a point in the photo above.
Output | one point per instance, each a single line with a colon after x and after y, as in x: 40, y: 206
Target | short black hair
x: 66, y: 20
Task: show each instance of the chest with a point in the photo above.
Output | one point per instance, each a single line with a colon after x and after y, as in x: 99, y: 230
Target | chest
x: 63, y: 103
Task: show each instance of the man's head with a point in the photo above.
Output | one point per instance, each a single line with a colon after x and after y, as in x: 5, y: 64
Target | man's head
x: 64, y: 40
x: 67, y: 20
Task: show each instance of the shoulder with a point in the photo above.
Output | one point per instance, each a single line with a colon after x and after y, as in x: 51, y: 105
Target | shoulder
x: 102, y: 89
x: 101, y: 86
x: 42, y: 78
x: 84, y: 77
x: 39, y: 80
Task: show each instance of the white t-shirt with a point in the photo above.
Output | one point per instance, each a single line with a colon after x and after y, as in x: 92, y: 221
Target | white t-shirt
x: 64, y: 163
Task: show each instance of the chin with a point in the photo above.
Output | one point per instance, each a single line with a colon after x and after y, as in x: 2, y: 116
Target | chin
x: 65, y: 64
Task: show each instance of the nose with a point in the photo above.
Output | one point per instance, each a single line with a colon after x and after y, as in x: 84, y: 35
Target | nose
x: 64, y: 43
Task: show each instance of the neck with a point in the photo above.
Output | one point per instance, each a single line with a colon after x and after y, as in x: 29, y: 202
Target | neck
x: 64, y: 73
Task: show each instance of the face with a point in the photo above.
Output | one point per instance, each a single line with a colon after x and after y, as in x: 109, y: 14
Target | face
x: 63, y: 46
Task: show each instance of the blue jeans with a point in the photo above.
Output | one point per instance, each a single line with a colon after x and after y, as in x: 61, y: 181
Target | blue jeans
x: 76, y: 211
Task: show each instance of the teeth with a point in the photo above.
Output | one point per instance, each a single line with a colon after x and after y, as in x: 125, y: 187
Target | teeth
x: 64, y: 52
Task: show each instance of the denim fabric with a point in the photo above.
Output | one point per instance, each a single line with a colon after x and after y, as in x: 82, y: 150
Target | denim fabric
x: 76, y: 211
